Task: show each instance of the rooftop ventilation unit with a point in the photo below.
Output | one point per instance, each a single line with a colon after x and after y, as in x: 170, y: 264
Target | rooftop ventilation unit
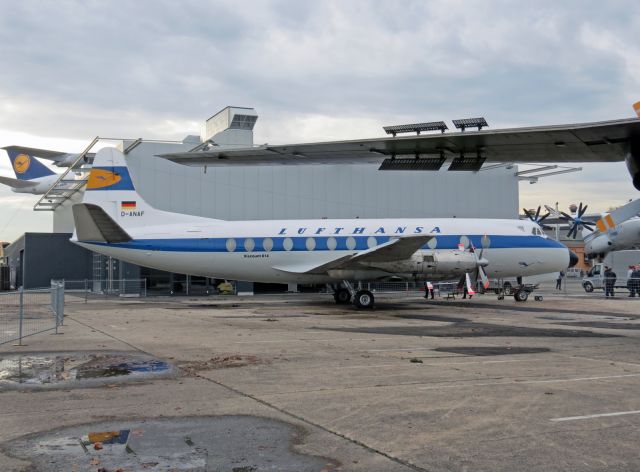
x: 232, y: 126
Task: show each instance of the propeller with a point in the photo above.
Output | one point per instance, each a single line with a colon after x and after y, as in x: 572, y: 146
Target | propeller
x: 577, y: 221
x: 480, y: 264
x: 536, y: 218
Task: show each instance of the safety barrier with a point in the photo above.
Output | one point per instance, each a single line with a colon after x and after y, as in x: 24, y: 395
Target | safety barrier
x: 27, y: 312
x: 87, y: 289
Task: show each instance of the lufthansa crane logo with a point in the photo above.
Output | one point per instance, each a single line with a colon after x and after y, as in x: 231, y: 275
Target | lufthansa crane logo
x: 21, y: 163
x: 102, y: 178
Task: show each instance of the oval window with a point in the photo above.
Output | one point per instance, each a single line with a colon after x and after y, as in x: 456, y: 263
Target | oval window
x: 287, y: 244
x: 311, y: 244
x: 231, y: 245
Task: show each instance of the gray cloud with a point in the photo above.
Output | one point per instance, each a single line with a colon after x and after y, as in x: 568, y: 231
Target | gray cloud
x: 313, y: 70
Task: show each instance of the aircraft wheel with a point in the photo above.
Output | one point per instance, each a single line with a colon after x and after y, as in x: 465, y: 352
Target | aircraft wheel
x: 507, y: 288
x: 521, y: 295
x: 342, y: 296
x: 364, y: 299
x: 588, y: 287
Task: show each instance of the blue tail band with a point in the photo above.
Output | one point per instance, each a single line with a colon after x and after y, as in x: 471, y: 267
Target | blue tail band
x: 27, y: 167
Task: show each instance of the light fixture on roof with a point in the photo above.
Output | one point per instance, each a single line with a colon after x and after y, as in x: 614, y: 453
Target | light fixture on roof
x: 464, y: 123
x: 416, y: 128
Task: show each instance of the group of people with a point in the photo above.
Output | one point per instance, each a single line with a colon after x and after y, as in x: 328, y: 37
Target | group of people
x: 633, y: 281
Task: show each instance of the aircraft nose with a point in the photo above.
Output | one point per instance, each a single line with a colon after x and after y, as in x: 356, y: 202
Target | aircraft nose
x: 573, y: 259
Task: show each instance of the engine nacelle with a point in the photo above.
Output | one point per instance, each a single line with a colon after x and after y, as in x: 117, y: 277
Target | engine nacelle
x: 437, y: 262
x: 599, y: 245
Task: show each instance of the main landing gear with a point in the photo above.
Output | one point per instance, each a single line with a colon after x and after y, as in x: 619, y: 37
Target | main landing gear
x: 361, y: 298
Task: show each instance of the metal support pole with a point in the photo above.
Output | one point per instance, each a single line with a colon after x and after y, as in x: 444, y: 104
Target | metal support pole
x: 21, y: 316
x: 86, y: 290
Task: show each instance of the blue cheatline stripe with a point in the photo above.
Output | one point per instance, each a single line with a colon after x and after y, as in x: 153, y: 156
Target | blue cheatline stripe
x: 125, y: 182
x: 343, y: 243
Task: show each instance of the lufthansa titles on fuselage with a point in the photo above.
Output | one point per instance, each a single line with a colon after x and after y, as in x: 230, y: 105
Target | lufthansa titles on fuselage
x: 357, y: 230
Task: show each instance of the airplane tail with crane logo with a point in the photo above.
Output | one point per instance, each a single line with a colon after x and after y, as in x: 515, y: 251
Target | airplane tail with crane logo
x: 111, y: 207
x: 27, y: 167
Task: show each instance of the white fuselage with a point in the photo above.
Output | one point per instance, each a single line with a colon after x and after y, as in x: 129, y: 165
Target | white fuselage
x: 280, y: 250
x: 39, y: 185
x: 626, y: 235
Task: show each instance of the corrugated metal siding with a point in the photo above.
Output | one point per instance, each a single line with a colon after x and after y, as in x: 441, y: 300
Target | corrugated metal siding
x: 290, y: 192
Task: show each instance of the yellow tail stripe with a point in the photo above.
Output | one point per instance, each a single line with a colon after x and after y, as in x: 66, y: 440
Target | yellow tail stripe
x: 610, y: 221
x: 636, y: 107
x: 601, y: 227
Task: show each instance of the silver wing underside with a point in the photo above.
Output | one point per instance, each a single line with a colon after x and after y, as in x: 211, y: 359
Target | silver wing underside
x: 606, y: 141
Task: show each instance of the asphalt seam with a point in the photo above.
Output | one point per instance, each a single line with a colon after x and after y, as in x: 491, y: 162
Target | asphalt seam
x: 316, y: 425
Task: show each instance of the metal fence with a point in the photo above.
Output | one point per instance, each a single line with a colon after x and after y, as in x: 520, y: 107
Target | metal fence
x: 27, y: 312
x: 85, y: 290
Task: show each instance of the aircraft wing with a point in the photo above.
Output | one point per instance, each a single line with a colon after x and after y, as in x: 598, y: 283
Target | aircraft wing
x: 43, y: 153
x: 16, y: 183
x: 605, y: 141
x: 393, y: 250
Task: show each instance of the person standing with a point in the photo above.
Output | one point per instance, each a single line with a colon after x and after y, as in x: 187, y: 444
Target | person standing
x: 630, y: 282
x: 559, y: 280
x: 428, y: 290
x: 609, y: 281
x: 635, y: 280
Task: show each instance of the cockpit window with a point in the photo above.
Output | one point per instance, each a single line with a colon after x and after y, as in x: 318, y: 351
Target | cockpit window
x: 537, y: 231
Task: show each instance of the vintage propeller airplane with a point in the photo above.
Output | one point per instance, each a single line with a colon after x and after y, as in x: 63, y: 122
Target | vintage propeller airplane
x: 115, y: 220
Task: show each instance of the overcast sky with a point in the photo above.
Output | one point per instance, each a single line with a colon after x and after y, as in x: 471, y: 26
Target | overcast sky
x: 314, y: 71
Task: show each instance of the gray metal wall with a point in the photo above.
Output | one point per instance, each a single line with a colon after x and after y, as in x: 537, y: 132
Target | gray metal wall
x: 290, y: 192
x: 47, y: 256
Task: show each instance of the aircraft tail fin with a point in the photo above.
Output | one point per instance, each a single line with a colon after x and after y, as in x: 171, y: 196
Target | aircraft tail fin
x: 636, y: 107
x: 27, y: 167
x: 111, y: 188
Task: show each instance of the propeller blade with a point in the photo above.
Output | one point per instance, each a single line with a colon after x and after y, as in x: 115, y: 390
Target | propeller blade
x: 469, y: 286
x: 583, y: 211
x: 483, y: 277
x: 566, y: 217
x: 538, y: 213
x: 544, y: 217
x: 580, y: 209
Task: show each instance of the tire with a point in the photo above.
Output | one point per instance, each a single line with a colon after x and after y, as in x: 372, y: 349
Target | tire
x: 342, y: 296
x: 588, y: 287
x: 521, y: 295
x: 507, y: 288
x: 364, y: 299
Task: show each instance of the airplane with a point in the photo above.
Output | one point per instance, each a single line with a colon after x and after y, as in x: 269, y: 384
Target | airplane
x: 114, y: 220
x: 31, y: 175
x: 614, y: 231
x: 59, y: 158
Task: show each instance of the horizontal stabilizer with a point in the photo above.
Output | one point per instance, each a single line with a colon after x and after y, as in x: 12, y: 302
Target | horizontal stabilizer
x: 94, y: 225
x: 394, y: 250
x: 17, y: 183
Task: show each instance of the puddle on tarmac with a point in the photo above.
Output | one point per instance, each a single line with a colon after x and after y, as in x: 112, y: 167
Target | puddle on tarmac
x: 225, y: 443
x: 68, y: 368
x: 491, y: 351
